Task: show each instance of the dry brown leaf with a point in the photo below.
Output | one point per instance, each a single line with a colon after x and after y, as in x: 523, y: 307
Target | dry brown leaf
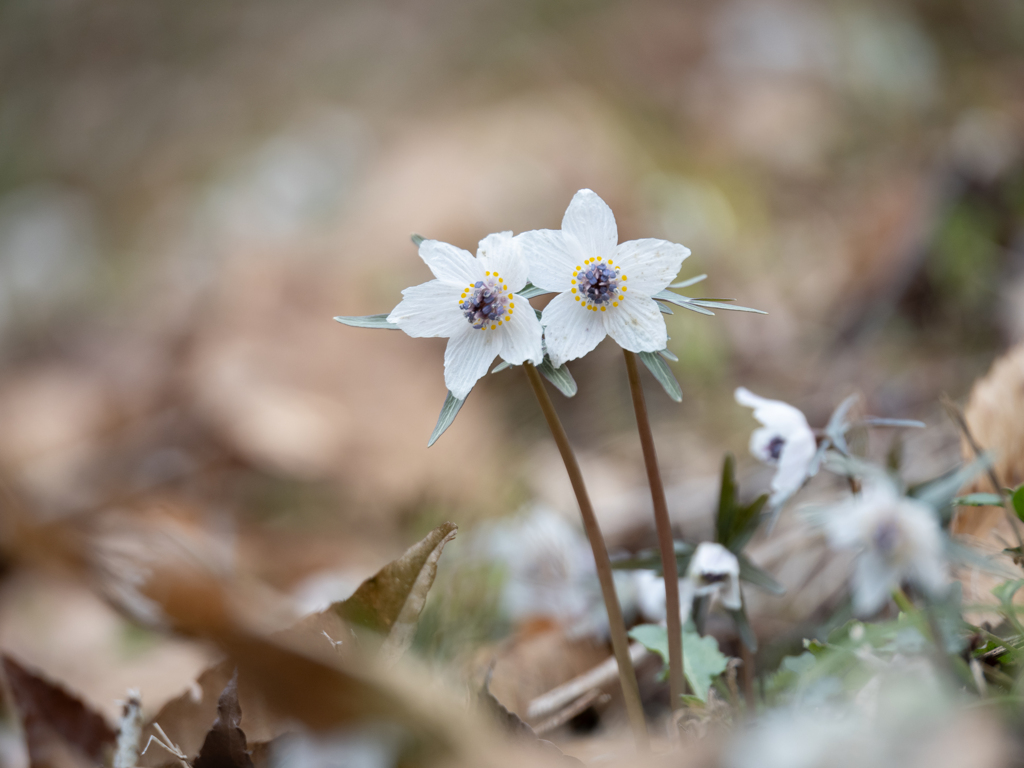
x: 60, y: 730
x: 225, y: 745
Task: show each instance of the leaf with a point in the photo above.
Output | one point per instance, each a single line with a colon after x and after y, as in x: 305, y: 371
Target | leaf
x: 874, y: 421
x: 757, y: 576
x: 530, y: 291
x: 671, y: 357
x: 665, y: 310
x: 1018, y: 502
x: 417, y: 239
x: 501, y: 366
x: 450, y: 409
x: 663, y: 374
x: 508, y: 721
x: 837, y: 424
x: 560, y: 377
x: 743, y: 628
x: 367, y: 321
x: 726, y: 501
x: 224, y: 746
x: 650, y: 559
x: 745, y: 523
x: 681, y: 301
x: 54, y: 719
x: 389, y: 603
x: 724, y: 305
x: 702, y: 661
x: 979, y: 500
x: 941, y: 491
x: 690, y: 281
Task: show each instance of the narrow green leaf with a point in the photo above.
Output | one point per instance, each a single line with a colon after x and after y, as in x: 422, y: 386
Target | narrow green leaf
x: 726, y: 500
x: 560, y: 377
x: 668, y: 355
x: 941, y: 491
x: 681, y: 301
x: 664, y: 310
x: 745, y: 523
x: 743, y: 628
x: 530, y: 290
x: 663, y: 374
x: 723, y: 305
x: 979, y: 500
x: 691, y: 281
x: 417, y: 239
x: 449, y: 411
x: 875, y: 421
x: 501, y: 366
x: 367, y: 321
x: 1018, y: 502
x: 702, y: 660
x: 650, y: 559
x: 757, y: 576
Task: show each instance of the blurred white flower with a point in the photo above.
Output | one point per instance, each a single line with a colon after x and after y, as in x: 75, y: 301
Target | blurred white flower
x: 898, y: 539
x: 785, y: 441
x: 714, y: 571
x: 473, y: 304
x: 604, y: 287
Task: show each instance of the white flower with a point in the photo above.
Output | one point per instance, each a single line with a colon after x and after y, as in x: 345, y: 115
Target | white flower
x: 604, y: 287
x: 785, y: 441
x: 898, y: 539
x: 713, y: 571
x: 473, y: 303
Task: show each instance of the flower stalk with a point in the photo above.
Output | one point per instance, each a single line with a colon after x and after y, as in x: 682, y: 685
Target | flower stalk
x: 616, y: 625
x: 673, y: 621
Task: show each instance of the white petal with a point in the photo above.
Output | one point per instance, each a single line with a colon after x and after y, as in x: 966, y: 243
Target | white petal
x: 731, y: 598
x: 429, y: 309
x: 570, y: 331
x: 873, y: 581
x: 687, y: 592
x: 773, y: 413
x: 636, y: 324
x: 501, y: 254
x: 794, y: 462
x: 521, y: 334
x: 550, y: 263
x: 450, y: 264
x: 650, y: 265
x: 590, y: 225
x: 467, y: 358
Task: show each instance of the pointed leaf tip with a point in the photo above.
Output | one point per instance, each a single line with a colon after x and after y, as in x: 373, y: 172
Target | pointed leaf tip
x: 657, y: 366
x: 416, y: 239
x: 560, y: 377
x: 367, y: 321
x: 449, y: 411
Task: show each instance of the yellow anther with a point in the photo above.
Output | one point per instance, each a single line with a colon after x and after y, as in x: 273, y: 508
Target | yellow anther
x: 625, y: 278
x: 603, y: 308
x: 499, y: 322
x: 511, y: 306
x: 598, y: 258
x: 624, y: 288
x: 577, y: 298
x: 610, y: 262
x: 493, y: 327
x: 615, y: 303
x: 574, y: 290
x: 495, y: 274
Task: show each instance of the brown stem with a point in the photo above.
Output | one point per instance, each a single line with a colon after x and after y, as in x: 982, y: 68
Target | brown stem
x: 676, y: 680
x: 616, y: 626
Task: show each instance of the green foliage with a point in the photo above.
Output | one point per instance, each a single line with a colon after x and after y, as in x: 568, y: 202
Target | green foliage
x: 702, y: 661
x: 657, y: 366
x: 979, y: 500
x: 450, y: 409
x: 559, y: 377
x: 367, y: 321
x: 1018, y: 502
x: 735, y: 523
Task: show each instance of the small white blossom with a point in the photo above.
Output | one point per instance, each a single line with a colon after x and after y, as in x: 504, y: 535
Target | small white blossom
x: 714, y: 571
x: 785, y: 441
x: 898, y: 539
x: 473, y: 303
x: 604, y: 287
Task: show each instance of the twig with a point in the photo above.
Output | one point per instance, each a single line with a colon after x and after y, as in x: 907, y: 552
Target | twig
x: 616, y: 625
x: 604, y: 673
x: 557, y: 720
x: 958, y: 418
x: 129, y: 734
x: 673, y: 621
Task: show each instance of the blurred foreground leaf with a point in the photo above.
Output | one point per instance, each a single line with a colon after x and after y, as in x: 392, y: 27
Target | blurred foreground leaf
x: 367, y: 321
x: 657, y: 365
x: 560, y: 377
x: 54, y: 720
x: 225, y: 745
x: 1018, y: 502
x: 702, y: 661
x: 389, y: 603
x: 979, y: 500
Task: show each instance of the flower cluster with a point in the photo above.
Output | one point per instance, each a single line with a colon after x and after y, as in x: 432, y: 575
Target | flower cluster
x: 605, y: 288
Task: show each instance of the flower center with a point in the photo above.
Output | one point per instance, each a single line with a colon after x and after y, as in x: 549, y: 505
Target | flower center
x: 775, y: 447
x: 712, y: 577
x: 487, y: 303
x: 598, y: 284
x: 887, y: 538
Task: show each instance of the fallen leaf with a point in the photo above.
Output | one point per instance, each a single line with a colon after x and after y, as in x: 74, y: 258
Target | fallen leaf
x: 57, y: 724
x: 225, y: 745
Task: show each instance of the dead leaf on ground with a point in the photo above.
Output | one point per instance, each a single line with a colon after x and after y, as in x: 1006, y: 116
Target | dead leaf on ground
x: 60, y: 730
x: 225, y: 745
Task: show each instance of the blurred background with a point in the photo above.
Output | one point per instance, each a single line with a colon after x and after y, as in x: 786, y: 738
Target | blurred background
x: 189, y: 192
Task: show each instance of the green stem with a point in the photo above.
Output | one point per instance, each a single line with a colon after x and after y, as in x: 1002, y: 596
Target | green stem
x: 673, y: 621
x: 616, y: 625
